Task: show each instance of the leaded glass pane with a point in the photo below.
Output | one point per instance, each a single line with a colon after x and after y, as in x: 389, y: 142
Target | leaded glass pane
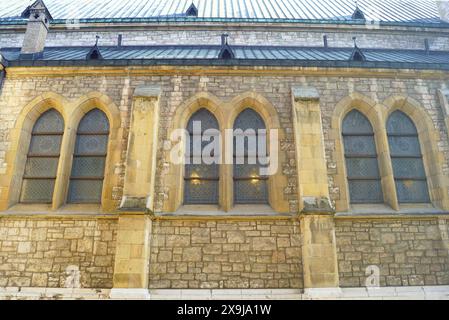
x: 356, y: 123
x: 404, y: 146
x: 247, y: 170
x: 49, y: 122
x: 250, y: 151
x: 250, y: 144
x: 365, y: 191
x: 37, y: 190
x: 405, y: 151
x: 249, y: 119
x: 361, y: 159
x: 408, y: 168
x: 250, y: 135
x: 89, y: 161
x: 203, y: 119
x: 400, y: 123
x: 209, y: 161
x: 91, y: 144
x: 362, y: 168
x: 250, y: 191
x: 85, y: 191
x: 41, y: 167
x: 262, y: 161
x: 359, y: 145
x: 412, y: 191
x: 45, y: 145
x: 201, y: 171
x: 201, y: 192
x: 197, y: 146
x: 95, y: 121
x: 197, y: 188
x: 88, y: 167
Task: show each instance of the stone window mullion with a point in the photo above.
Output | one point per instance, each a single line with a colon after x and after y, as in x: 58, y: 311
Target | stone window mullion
x: 386, y: 168
x: 64, y: 167
x: 226, y: 195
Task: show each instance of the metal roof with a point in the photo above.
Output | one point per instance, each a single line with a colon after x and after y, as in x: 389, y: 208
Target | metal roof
x: 391, y: 11
x: 244, y: 55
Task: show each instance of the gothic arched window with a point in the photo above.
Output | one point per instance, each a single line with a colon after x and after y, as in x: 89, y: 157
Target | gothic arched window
x: 201, y: 174
x: 405, y: 152
x: 43, y: 158
x: 250, y: 155
x: 361, y: 159
x: 86, y: 179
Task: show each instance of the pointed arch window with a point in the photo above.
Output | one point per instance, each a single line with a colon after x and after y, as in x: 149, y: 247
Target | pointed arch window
x: 43, y: 158
x: 201, y: 174
x: 86, y: 180
x: 250, y: 155
x: 361, y: 159
x: 405, y: 151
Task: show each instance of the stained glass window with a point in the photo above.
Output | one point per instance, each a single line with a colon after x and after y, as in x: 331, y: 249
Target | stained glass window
x: 201, y: 173
x: 405, y: 152
x: 42, y: 160
x: 86, y: 180
x: 361, y: 159
x: 250, y: 156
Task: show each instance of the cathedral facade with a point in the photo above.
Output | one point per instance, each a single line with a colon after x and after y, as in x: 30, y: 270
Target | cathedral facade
x: 224, y: 148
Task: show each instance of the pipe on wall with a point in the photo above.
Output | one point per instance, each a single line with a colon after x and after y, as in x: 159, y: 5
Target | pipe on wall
x: 2, y: 72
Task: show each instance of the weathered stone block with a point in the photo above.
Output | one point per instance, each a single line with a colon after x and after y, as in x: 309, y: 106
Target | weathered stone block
x: 191, y: 254
x: 264, y: 243
x: 235, y: 237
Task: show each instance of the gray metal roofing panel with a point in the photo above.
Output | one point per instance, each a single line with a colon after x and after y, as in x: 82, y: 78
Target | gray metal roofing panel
x: 422, y: 11
x: 243, y: 54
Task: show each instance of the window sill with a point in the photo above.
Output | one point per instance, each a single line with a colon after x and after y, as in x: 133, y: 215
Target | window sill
x: 384, y: 211
x: 45, y: 209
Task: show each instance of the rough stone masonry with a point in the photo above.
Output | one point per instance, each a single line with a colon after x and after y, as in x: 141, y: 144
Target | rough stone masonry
x: 299, y: 75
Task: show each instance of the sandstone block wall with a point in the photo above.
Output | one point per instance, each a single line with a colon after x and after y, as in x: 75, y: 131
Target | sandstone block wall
x: 219, y: 254
x: 225, y: 254
x: 37, y: 251
x: 408, y: 252
x: 176, y: 89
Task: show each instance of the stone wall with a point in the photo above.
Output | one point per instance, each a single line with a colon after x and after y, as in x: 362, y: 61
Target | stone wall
x: 222, y: 254
x: 367, y: 38
x: 216, y: 253
x: 225, y: 254
x: 176, y: 89
x: 13, y: 100
x: 35, y: 251
x: 408, y: 252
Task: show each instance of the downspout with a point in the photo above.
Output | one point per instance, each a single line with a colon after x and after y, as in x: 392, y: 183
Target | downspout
x: 2, y: 72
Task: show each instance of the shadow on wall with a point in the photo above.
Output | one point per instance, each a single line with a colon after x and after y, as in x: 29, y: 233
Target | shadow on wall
x: 2, y: 77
